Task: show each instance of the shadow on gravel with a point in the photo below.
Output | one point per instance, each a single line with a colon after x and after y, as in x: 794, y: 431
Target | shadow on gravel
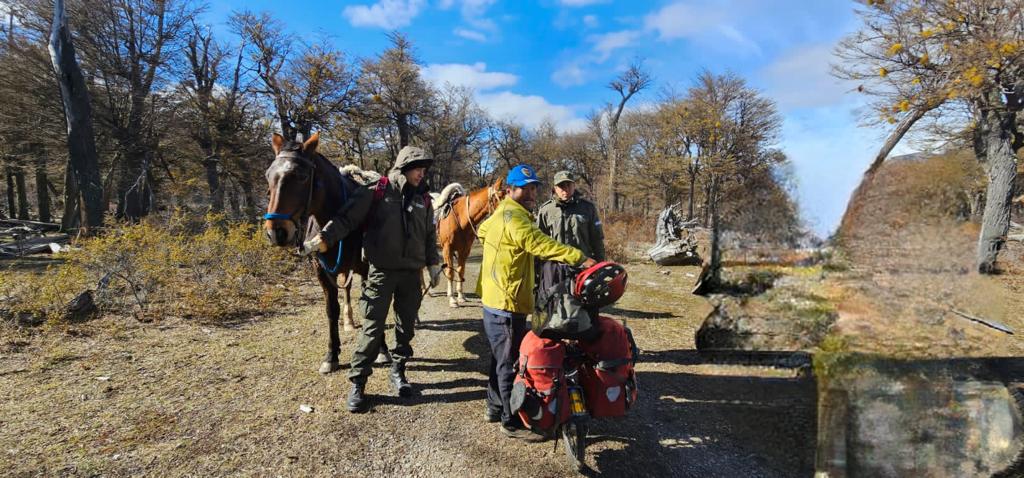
x: 419, y: 399
x: 638, y: 314
x: 451, y: 325
x: 447, y: 365
x: 690, y: 425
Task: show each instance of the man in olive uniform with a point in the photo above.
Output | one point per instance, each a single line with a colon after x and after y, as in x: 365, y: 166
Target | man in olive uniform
x: 570, y: 219
x: 400, y: 240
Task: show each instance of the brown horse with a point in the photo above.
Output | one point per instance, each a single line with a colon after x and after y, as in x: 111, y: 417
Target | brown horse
x: 457, y: 231
x: 304, y: 185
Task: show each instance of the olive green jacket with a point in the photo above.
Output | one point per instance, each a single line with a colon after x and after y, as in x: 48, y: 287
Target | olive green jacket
x: 573, y: 222
x: 400, y: 230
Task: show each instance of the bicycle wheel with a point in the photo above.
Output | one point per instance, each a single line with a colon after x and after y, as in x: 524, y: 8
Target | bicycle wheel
x: 574, y: 438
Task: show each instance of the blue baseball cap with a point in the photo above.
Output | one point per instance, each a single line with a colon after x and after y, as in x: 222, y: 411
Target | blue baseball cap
x: 520, y: 175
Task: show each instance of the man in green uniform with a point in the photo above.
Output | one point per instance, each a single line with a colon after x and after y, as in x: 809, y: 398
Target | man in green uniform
x: 570, y: 219
x: 400, y: 241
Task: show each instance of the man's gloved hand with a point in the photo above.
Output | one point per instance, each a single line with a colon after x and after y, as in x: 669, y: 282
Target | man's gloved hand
x: 316, y: 244
x: 435, y: 275
x: 588, y: 263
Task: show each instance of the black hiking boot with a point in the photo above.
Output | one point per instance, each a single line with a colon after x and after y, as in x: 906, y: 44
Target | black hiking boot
x: 398, y: 381
x: 356, y: 398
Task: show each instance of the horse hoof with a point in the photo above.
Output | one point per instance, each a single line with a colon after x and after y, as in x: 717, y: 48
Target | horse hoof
x: 328, y: 367
x: 453, y: 304
x: 348, y: 327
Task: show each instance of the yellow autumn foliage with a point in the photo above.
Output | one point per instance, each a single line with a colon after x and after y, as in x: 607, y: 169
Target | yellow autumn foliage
x: 207, y: 270
x: 895, y: 48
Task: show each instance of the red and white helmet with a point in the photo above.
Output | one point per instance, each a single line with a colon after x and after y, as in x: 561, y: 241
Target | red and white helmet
x: 601, y: 284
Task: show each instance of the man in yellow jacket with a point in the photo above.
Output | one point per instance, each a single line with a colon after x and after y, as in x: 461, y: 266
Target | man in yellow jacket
x: 511, y: 241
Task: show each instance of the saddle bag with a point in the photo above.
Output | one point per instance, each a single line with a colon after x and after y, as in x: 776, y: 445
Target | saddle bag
x: 539, y: 394
x: 608, y: 377
x: 559, y: 314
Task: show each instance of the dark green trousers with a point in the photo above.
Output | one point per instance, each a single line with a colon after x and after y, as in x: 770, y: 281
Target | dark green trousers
x: 379, y: 288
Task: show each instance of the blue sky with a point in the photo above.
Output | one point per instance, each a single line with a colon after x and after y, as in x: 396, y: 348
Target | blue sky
x: 531, y: 60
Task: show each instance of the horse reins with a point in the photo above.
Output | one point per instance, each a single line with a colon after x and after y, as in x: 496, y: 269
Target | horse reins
x: 490, y: 207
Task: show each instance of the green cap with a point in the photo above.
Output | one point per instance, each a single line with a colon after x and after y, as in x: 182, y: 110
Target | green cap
x: 564, y: 176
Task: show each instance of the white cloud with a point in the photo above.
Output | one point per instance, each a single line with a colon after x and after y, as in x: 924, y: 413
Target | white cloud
x: 474, y: 13
x: 787, y: 78
x: 679, y: 20
x: 569, y: 74
x: 530, y: 110
x: 590, y: 21
x: 607, y: 43
x: 470, y: 34
x: 580, y: 3
x: 386, y: 14
x: 473, y: 76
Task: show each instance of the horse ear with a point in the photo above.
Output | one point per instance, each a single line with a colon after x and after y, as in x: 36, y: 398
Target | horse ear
x: 310, y: 145
x: 498, y: 183
x: 277, y: 141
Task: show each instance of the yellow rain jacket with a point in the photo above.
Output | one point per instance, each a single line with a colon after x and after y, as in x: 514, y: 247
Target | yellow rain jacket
x: 511, y: 240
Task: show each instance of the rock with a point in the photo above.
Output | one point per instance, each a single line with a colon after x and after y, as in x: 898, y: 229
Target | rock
x: 756, y: 324
x: 944, y: 418
x: 81, y: 307
x: 103, y: 378
x: 305, y: 408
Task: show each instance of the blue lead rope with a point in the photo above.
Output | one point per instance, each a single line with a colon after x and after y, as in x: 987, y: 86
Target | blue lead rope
x: 276, y: 215
x: 341, y: 243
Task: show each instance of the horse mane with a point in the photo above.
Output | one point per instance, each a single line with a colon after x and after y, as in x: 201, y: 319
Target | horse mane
x: 361, y: 176
x: 449, y: 192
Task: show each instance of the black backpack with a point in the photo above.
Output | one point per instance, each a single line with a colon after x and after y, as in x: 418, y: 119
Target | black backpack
x: 559, y: 315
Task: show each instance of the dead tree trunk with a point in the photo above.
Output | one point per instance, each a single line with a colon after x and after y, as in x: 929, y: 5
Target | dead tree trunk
x: 994, y: 147
x: 83, y: 168
x: 12, y: 206
x: 212, y: 166
x: 19, y: 181
x: 42, y: 195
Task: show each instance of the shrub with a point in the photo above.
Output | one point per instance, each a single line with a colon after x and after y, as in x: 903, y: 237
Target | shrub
x: 627, y: 235
x: 207, y: 269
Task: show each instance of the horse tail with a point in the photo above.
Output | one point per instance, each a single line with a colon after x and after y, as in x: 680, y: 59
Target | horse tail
x: 450, y: 191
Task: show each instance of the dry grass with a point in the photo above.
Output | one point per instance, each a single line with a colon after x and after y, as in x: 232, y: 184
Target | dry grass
x: 912, y: 262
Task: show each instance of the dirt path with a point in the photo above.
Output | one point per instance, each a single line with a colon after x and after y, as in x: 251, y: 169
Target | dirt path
x: 116, y: 398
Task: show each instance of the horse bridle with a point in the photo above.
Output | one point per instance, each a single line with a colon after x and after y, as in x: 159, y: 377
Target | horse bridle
x: 300, y: 228
x: 491, y: 206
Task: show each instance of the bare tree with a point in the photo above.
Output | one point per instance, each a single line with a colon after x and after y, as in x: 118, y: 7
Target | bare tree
x: 83, y: 190
x: 630, y: 82
x: 309, y: 89
x: 397, y: 91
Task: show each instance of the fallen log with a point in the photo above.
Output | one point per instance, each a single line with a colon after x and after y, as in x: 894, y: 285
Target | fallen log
x: 34, y: 245
x: 986, y: 322
x: 43, y: 226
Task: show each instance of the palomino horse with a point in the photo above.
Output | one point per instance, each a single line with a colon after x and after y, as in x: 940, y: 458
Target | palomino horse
x: 457, y: 230
x: 304, y: 184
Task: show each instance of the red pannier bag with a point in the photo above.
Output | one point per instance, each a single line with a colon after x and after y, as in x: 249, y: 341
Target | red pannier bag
x: 539, y: 394
x: 608, y: 377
